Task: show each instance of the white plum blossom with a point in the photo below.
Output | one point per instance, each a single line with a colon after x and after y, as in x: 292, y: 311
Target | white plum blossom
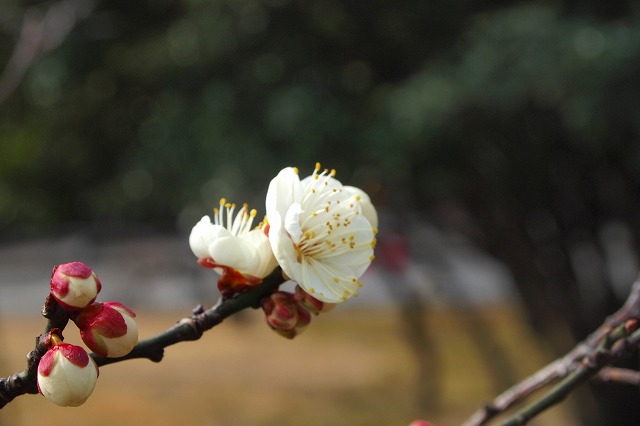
x: 230, y: 242
x: 322, y: 233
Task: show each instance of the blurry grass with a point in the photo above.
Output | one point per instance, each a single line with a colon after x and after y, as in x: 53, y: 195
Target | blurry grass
x: 351, y: 367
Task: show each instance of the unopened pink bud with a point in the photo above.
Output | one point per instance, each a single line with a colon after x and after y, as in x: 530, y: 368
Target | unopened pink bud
x: 312, y: 304
x: 109, y: 329
x: 302, y: 317
x: 280, y: 310
x: 67, y: 375
x: 74, y: 285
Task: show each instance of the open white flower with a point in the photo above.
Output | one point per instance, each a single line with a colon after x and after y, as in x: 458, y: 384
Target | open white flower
x: 231, y: 242
x: 322, y: 233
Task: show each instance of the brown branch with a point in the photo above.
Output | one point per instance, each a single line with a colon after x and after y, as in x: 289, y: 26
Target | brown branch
x: 615, y: 346
x: 562, y: 367
x: 187, y: 329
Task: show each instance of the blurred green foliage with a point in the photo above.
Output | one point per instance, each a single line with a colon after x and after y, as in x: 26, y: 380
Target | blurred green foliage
x: 150, y: 111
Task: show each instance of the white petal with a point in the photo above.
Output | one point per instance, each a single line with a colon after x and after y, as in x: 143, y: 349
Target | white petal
x: 235, y: 253
x: 283, y: 191
x: 200, y: 237
x: 203, y: 234
x: 365, y: 202
x: 328, y: 283
x: 283, y: 248
x: 260, y: 242
x: 120, y: 346
x: 292, y: 222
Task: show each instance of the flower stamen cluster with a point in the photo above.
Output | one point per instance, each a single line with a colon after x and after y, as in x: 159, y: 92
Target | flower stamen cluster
x: 239, y: 226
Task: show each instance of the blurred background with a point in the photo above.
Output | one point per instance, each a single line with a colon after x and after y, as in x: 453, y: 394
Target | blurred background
x: 499, y: 141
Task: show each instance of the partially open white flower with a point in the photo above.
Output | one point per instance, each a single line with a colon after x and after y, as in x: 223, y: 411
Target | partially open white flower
x: 322, y: 233
x: 231, y: 242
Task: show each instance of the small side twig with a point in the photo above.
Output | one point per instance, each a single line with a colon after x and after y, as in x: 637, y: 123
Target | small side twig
x: 619, y: 375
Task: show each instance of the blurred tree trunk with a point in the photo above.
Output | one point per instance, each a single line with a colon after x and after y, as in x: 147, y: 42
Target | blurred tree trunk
x: 542, y: 210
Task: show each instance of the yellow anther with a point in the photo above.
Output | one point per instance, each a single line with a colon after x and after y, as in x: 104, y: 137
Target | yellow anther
x: 317, y: 166
x: 253, y: 212
x: 336, y: 280
x: 295, y: 170
x: 223, y: 201
x: 333, y: 172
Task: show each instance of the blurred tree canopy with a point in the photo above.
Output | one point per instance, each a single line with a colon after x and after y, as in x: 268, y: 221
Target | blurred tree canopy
x: 149, y: 108
x: 516, y: 123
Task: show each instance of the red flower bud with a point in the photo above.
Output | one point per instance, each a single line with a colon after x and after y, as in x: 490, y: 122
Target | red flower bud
x: 108, y: 329
x: 285, y: 315
x: 281, y: 310
x: 74, y: 285
x: 312, y: 304
x: 66, y: 374
x: 304, y: 318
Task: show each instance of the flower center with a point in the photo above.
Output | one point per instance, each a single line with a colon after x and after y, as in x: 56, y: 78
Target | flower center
x: 239, y: 225
x: 326, y: 220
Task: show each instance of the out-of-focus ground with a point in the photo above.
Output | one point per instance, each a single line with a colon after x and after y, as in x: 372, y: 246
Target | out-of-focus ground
x: 353, y: 366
